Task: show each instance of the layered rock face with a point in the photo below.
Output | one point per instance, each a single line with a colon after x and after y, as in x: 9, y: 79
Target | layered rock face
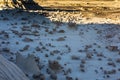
x: 9, y: 71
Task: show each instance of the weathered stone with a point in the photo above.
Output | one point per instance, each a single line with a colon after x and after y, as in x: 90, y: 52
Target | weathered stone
x: 28, y: 65
x: 9, y: 71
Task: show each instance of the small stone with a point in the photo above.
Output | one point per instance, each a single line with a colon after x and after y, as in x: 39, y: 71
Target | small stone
x: 113, y: 71
x: 11, y: 59
x: 46, y: 55
x: 5, y: 19
x: 82, y: 70
x: 74, y: 57
x: 46, y: 30
x: 118, y: 69
x: 58, y: 58
x: 36, y: 25
x: 38, y: 48
x: 72, y: 25
x: 53, y: 76
x: 109, y: 36
x: 80, y: 50
x: 69, y: 78
x: 89, y: 55
x: 76, y: 79
x: 42, y: 77
x: 111, y: 64
x: 83, y: 61
x: 37, y: 59
x: 118, y: 60
x: 112, y: 48
x: 17, y: 43
x: 82, y: 66
x: 6, y: 49
x: 61, y: 31
x: 100, y: 55
x: 107, y: 76
x: 6, y: 35
x: 61, y: 39
x: 96, y: 71
x: 26, y: 39
x: 24, y: 19
x: 118, y: 79
x: 43, y: 47
x: 88, y: 46
x: 50, y: 32
x: 3, y: 42
x: 55, y: 51
x: 68, y: 71
x: 36, y: 76
x: 54, y: 65
x: 26, y: 47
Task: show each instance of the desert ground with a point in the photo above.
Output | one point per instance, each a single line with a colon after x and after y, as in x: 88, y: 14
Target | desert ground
x: 66, y: 40
x: 89, y: 8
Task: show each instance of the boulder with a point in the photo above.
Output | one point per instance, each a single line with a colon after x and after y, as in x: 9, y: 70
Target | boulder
x: 27, y: 64
x: 9, y: 71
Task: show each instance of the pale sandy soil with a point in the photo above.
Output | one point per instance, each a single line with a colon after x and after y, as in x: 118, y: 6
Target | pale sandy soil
x: 106, y: 9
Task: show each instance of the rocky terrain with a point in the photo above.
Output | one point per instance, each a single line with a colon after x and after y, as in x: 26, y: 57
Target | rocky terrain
x: 61, y: 45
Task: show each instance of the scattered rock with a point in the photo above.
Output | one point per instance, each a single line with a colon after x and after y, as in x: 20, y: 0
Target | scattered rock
x: 26, y: 28
x: 38, y: 48
x: 5, y: 19
x: 113, y: 71
x: 53, y: 76
x: 55, y: 51
x: 17, y: 42
x: 82, y: 66
x: 26, y: 48
x: 26, y: 39
x: 61, y: 31
x: 100, y: 55
x: 112, y: 48
x: 35, y: 25
x: 69, y: 78
x: 54, y: 65
x: 50, y: 32
x: 15, y: 32
x: 61, y: 39
x: 109, y: 36
x: 72, y: 25
x: 89, y: 55
x: 6, y: 50
x: 118, y: 60
x: 82, y: 70
x: 24, y: 19
x: 36, y: 33
x: 88, y: 46
x: 58, y: 58
x: 67, y: 71
x: 38, y: 76
x: 83, y: 61
x: 74, y: 57
x: 111, y: 64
